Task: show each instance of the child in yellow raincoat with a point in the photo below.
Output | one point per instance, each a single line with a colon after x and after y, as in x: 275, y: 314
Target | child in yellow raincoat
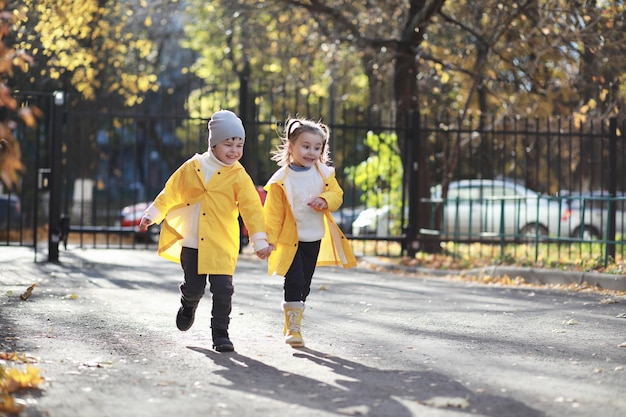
x: 301, y: 195
x: 199, y: 207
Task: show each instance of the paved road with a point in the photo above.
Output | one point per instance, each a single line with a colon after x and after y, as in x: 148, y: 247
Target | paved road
x: 101, y: 324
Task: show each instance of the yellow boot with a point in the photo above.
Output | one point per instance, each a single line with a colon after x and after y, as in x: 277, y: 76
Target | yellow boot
x: 293, y: 318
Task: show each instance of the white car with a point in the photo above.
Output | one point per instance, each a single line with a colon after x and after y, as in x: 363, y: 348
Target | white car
x: 588, y: 214
x: 478, y: 209
x: 373, y: 222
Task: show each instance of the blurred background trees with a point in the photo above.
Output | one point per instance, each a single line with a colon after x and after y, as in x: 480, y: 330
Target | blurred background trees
x: 538, y: 58
x: 10, y: 60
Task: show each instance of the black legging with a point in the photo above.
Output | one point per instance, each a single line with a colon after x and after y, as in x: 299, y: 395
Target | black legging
x: 297, y: 284
x: 193, y: 286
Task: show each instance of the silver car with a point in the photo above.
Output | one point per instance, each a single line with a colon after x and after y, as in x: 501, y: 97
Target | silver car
x: 479, y: 209
x: 588, y: 214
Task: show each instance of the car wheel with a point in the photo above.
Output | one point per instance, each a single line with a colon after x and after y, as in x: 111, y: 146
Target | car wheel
x: 586, y: 233
x: 530, y: 231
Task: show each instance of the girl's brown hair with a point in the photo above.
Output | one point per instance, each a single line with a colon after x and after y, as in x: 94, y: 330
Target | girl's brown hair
x: 293, y: 128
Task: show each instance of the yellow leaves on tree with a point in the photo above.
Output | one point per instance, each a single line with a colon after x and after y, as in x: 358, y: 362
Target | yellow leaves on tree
x: 90, y: 43
x: 10, y: 155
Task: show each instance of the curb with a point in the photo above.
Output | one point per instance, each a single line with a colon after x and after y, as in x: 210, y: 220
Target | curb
x: 530, y: 275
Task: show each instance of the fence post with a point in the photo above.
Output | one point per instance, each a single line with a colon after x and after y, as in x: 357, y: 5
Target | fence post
x: 246, y: 114
x: 412, y: 176
x: 612, y: 184
x: 56, y: 149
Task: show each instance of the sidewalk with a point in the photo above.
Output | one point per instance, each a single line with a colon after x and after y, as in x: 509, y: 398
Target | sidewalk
x: 23, y: 261
x: 380, y: 342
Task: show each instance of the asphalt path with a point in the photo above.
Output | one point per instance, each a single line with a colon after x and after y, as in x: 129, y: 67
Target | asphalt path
x: 101, y: 325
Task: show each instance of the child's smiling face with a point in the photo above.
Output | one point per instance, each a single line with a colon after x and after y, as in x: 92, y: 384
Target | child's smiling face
x: 306, y: 149
x: 229, y: 151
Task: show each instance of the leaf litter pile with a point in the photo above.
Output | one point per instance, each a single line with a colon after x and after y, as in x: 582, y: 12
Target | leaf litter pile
x: 16, y: 375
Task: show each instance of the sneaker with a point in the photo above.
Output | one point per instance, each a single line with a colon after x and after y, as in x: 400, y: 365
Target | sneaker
x: 221, y: 342
x: 185, y: 318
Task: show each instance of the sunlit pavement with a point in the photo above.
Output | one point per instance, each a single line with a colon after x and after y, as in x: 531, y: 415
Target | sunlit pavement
x: 99, y: 326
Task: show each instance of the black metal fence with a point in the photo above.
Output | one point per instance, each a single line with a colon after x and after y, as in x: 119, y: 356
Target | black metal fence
x: 90, y: 163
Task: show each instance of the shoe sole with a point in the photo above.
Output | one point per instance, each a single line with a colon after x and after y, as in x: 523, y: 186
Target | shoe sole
x: 183, y: 328
x: 296, y: 344
x: 181, y: 321
x: 224, y: 348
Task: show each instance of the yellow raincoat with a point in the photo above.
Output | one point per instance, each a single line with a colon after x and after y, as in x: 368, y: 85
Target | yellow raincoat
x: 282, y: 230
x: 230, y: 190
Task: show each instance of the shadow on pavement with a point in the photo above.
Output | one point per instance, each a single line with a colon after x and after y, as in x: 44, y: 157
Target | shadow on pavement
x: 360, y: 390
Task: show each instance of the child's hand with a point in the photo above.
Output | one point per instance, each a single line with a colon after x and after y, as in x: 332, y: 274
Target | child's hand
x: 264, y: 253
x: 143, y: 225
x: 318, y: 204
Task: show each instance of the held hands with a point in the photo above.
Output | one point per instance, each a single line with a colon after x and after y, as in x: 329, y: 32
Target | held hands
x: 265, y: 253
x: 143, y: 225
x: 318, y: 204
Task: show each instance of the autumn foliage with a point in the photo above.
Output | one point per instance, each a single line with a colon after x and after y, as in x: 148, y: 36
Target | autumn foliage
x: 13, y: 380
x: 10, y: 59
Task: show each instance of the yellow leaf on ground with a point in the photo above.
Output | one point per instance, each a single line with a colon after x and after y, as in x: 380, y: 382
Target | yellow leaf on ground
x: 8, y: 405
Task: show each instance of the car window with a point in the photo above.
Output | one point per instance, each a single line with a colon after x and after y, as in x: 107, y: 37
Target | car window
x: 464, y: 193
x: 498, y: 191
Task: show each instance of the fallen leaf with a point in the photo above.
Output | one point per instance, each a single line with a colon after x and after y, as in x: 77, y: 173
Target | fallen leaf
x: 9, y: 405
x: 15, y: 379
x: 16, y: 357
x: 28, y: 292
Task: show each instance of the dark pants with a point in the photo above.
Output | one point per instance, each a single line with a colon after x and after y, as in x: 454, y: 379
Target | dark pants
x: 194, y: 284
x: 298, y: 279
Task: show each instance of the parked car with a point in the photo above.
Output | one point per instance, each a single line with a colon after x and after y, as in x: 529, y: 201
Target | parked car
x: 10, y: 211
x: 130, y: 216
x: 479, y: 209
x: 375, y: 222
x: 492, y: 209
x: 588, y: 213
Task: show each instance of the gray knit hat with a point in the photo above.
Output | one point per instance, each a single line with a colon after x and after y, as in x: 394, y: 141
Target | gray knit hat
x: 223, y: 125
